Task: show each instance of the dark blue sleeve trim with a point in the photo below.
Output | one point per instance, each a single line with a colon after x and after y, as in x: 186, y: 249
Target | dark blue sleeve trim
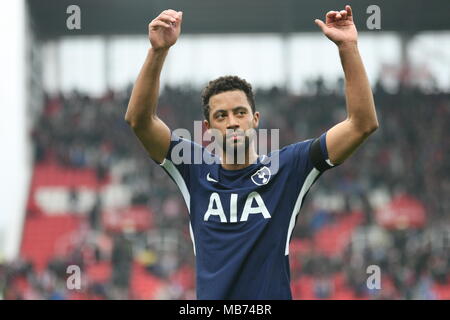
x: 323, y: 145
x: 318, y: 154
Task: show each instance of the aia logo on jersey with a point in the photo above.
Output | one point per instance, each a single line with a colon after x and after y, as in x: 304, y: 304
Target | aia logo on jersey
x: 262, y: 176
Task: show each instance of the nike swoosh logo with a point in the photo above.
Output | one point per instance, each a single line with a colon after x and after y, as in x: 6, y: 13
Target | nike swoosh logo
x: 209, y: 178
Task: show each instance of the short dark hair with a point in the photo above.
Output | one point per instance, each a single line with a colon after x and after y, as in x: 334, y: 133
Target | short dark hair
x: 223, y: 84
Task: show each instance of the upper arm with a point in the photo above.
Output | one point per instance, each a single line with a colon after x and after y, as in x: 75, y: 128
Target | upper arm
x: 155, y: 137
x: 343, y: 139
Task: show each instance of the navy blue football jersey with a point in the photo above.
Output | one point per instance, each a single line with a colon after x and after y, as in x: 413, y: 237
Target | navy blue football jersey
x: 241, y: 221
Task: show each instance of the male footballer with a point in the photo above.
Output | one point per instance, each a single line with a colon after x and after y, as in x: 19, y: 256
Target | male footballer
x: 241, y: 213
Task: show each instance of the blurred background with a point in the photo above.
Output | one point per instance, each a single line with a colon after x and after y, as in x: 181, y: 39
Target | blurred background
x: 77, y: 188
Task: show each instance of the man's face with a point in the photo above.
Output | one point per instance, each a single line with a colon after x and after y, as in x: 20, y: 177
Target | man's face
x: 231, y: 114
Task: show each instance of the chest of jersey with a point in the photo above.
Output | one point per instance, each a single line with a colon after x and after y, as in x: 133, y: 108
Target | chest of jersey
x: 252, y: 196
x: 252, y: 204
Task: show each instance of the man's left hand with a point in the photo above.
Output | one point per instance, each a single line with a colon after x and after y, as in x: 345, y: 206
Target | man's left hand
x: 339, y: 26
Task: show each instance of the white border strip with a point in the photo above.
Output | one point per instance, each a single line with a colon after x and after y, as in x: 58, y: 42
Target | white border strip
x: 176, y: 175
x: 298, y: 204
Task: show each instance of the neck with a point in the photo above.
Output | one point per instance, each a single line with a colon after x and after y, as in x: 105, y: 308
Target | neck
x: 234, y: 164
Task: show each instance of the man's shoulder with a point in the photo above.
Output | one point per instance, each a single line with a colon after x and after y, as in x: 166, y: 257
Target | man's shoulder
x: 293, y: 148
x: 186, y: 151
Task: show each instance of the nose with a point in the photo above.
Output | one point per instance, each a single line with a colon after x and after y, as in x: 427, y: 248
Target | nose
x: 232, y: 122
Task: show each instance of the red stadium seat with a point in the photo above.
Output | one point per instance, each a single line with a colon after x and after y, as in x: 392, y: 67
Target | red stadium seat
x: 442, y: 292
x: 332, y: 239
x: 99, y: 272
x: 144, y: 285
x: 42, y: 234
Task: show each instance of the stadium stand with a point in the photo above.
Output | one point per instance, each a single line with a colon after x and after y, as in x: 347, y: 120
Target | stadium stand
x: 97, y: 201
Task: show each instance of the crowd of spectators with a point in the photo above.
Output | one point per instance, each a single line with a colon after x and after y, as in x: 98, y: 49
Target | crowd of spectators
x: 408, y: 154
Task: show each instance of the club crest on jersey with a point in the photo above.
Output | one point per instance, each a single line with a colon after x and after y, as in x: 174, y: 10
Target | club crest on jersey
x: 262, y: 176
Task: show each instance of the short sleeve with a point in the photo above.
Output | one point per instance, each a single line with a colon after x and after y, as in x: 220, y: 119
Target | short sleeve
x: 182, y: 154
x: 310, y: 154
x: 318, y: 154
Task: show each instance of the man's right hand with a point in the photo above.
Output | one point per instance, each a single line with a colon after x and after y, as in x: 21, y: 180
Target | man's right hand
x: 165, y: 29
x: 141, y: 113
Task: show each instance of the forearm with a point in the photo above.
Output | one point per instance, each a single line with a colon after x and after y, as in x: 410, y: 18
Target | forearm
x: 360, y: 104
x: 144, y: 97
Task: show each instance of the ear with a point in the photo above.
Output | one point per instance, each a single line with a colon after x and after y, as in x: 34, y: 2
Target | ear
x: 256, y: 119
x: 207, y: 125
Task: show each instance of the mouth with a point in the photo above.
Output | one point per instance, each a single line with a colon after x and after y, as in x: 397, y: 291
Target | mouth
x: 235, y: 136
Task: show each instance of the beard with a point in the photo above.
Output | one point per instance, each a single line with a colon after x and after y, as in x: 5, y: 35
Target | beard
x: 236, y: 150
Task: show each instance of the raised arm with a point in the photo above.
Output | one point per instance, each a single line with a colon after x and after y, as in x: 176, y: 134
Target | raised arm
x: 153, y: 133
x: 345, y: 137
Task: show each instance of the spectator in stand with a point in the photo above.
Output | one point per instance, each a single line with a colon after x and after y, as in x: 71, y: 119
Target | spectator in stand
x: 121, y: 260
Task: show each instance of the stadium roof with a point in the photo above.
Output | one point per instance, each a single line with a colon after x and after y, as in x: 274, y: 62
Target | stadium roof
x: 121, y: 17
